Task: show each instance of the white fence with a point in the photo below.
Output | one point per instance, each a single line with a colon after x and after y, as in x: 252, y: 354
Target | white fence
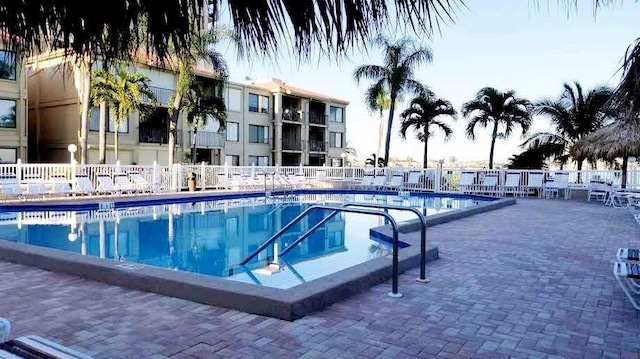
x: 175, y: 178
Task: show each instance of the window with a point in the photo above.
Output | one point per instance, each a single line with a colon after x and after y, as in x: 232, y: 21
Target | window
x: 7, y: 114
x: 8, y: 155
x: 7, y: 65
x: 258, y: 134
x: 258, y: 103
x: 336, y: 114
x: 336, y: 162
x: 234, y: 100
x: 233, y: 131
x: 94, y: 122
x: 259, y: 160
x: 232, y: 160
x: 335, y: 139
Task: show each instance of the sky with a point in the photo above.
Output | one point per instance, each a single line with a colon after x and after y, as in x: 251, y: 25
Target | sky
x: 509, y: 45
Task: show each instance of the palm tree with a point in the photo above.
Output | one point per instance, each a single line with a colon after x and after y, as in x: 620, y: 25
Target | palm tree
x: 394, y: 78
x: 502, y: 110
x: 123, y: 93
x: 422, y: 114
x: 574, y: 116
x: 201, y: 104
x: 201, y: 48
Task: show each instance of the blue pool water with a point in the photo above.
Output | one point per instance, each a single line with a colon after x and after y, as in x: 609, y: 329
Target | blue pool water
x: 213, y: 237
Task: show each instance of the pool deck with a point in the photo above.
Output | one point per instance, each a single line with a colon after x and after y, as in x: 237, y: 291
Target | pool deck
x: 530, y: 280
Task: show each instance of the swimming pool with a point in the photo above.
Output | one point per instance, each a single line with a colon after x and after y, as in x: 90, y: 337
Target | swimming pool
x: 212, y: 237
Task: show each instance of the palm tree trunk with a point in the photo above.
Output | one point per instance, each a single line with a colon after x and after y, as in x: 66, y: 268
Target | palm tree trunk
x: 84, y: 116
x: 426, y: 158
x: 102, y: 134
x: 494, y: 136
x: 380, y: 130
x: 580, y: 162
x: 193, y: 146
x: 625, y: 164
x: 387, y: 142
x: 115, y: 144
x: 173, y: 126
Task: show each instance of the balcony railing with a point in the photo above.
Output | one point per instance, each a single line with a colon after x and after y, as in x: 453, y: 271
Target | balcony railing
x: 206, y: 139
x: 316, y: 146
x: 291, y: 144
x: 157, y: 135
x: 163, y: 95
x: 295, y: 116
x: 317, y: 119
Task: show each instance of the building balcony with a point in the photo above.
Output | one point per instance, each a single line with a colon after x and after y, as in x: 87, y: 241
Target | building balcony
x: 317, y: 119
x: 291, y: 145
x: 206, y: 139
x: 163, y: 95
x: 157, y: 135
x: 317, y: 146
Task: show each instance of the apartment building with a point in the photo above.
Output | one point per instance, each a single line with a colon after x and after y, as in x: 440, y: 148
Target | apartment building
x: 270, y: 122
x: 13, y: 108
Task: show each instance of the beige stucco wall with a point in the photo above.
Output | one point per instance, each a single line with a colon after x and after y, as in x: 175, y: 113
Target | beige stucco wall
x: 16, y: 90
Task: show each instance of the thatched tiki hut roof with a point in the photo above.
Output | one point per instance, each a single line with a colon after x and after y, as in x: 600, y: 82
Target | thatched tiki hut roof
x: 619, y: 139
x: 162, y: 27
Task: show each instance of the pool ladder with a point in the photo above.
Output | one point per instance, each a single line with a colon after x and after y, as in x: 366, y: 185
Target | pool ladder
x: 365, y: 208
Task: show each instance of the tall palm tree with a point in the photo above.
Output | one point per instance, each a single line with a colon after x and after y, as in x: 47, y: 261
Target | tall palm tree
x: 123, y: 93
x: 574, y: 115
x: 501, y: 110
x: 201, y: 103
x: 202, y: 47
x: 382, y: 104
x: 423, y: 113
x: 394, y: 78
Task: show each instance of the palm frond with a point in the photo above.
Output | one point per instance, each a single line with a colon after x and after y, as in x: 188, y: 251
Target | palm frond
x: 369, y: 72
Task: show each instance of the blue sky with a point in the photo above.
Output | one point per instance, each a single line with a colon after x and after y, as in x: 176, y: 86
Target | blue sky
x: 510, y: 45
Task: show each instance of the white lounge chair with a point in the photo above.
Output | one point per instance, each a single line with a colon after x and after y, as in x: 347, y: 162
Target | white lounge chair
x: 32, y: 346
x: 37, y: 189
x: 535, y: 182
x: 512, y: 184
x: 379, y: 182
x: 467, y: 180
x: 366, y: 182
x: 489, y: 185
x: 11, y: 187
x: 560, y: 183
x: 627, y: 275
x: 106, y: 185
x: 60, y: 186
x: 140, y: 183
x: 395, y: 182
x: 598, y: 191
x: 413, y: 181
x: 123, y: 184
x: 83, y: 185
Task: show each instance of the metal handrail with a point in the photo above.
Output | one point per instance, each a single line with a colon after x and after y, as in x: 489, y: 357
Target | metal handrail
x: 423, y: 231
x: 392, y: 221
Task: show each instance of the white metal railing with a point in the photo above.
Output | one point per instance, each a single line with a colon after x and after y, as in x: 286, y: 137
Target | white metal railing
x: 175, y: 178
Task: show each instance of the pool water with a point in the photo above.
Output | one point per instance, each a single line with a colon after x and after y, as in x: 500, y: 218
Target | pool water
x: 213, y: 237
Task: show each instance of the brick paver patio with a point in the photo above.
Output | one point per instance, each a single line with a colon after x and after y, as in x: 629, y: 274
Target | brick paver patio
x: 530, y: 280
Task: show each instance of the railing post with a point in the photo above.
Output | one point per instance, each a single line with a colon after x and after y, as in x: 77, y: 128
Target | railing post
x: 154, y: 179
x: 437, y: 181
x: 73, y: 168
x: 203, y: 175
x: 176, y: 177
x: 19, y: 170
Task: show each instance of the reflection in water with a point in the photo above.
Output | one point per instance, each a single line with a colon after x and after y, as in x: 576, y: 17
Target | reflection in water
x: 212, y: 237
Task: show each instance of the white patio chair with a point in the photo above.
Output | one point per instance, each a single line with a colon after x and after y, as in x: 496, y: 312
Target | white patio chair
x: 598, y: 191
x: 512, y: 184
x: 37, y: 189
x: 560, y: 183
x: 366, y: 182
x: 627, y: 275
x: 379, y: 182
x: 237, y: 182
x: 223, y: 181
x: 123, y: 184
x: 535, y: 182
x: 106, y: 185
x: 467, y: 180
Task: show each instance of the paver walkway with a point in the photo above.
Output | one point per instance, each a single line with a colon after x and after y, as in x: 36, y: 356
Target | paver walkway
x: 530, y: 280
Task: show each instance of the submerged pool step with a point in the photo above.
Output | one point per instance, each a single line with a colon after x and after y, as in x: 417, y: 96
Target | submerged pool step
x: 388, y: 240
